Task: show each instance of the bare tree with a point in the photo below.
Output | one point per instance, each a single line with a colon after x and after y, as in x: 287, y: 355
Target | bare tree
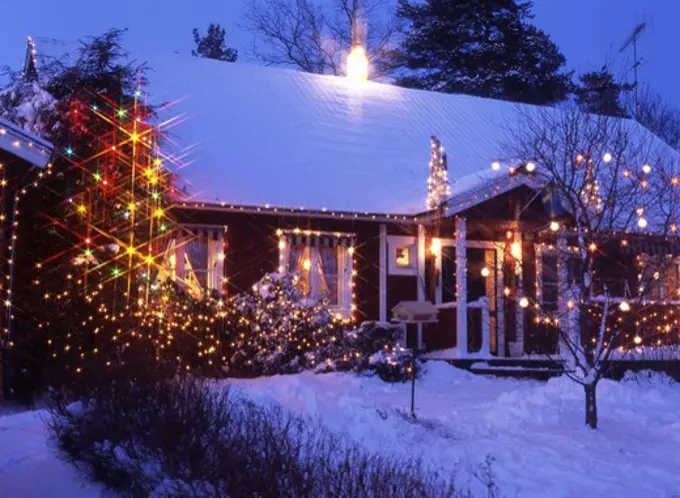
x: 613, y: 186
x: 316, y: 35
x: 658, y: 115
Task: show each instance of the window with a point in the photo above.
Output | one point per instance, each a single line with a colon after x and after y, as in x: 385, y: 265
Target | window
x: 323, y: 265
x: 201, y: 266
x: 549, y: 280
x: 659, y: 277
x: 403, y: 256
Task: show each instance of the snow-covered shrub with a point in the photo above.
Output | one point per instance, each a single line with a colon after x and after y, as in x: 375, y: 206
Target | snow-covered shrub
x: 372, y: 348
x: 271, y: 328
x: 144, y: 435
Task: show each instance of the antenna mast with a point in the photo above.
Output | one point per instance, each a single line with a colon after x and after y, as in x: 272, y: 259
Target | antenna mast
x: 632, y: 40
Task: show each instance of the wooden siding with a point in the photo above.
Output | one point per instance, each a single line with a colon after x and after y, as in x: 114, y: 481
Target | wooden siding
x: 252, y: 248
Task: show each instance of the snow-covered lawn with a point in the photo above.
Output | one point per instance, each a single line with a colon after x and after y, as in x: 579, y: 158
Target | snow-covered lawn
x: 533, y: 430
x: 29, y: 467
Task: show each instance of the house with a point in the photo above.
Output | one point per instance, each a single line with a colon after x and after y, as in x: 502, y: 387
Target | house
x: 318, y: 175
x: 21, y: 153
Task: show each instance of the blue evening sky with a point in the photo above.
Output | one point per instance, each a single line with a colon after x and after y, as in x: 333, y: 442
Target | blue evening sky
x: 587, y: 31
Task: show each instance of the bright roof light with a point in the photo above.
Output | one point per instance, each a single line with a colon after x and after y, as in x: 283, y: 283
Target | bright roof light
x: 357, y: 64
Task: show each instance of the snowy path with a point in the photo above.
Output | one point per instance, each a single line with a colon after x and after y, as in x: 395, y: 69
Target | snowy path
x: 29, y: 468
x: 533, y: 430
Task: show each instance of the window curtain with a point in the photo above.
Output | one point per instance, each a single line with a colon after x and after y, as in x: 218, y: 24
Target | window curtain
x: 197, y: 254
x: 296, y: 264
x: 328, y: 273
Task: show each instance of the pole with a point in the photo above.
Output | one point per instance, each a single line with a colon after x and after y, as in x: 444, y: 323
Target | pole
x: 413, y: 383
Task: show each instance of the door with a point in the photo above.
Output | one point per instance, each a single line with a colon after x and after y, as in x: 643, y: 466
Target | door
x: 482, y: 282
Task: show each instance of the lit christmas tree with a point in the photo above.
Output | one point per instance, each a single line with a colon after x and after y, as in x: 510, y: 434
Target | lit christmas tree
x: 438, y: 187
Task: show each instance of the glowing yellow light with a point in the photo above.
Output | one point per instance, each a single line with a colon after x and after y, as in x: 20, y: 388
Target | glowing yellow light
x: 82, y: 209
x: 306, y: 264
x: 436, y: 247
x: 624, y: 306
x: 282, y: 244
x: 637, y: 339
x: 357, y: 64
x: 134, y: 137
x: 131, y: 207
x: 130, y: 250
x: 159, y: 213
x: 149, y: 259
x: 506, y: 291
x: 592, y: 247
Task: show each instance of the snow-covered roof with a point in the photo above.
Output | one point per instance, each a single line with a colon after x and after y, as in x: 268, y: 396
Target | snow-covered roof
x: 263, y: 136
x: 25, y: 145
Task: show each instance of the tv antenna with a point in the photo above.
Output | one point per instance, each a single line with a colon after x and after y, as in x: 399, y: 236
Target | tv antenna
x: 632, y: 40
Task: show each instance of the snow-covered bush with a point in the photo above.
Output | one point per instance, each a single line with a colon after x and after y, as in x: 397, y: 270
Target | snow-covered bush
x: 271, y: 328
x: 372, y: 348
x: 144, y: 435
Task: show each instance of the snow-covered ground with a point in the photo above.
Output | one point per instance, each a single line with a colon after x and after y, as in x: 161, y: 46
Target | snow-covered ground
x: 29, y: 467
x: 534, y: 431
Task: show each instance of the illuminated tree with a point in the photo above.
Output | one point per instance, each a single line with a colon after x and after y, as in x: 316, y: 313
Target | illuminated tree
x: 438, y: 188
x: 612, y: 241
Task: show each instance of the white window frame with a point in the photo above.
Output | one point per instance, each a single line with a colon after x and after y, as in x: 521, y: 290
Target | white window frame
x: 395, y: 242
x: 345, y: 273
x: 215, y: 261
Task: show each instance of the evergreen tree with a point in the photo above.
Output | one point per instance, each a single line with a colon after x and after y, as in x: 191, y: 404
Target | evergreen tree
x: 479, y: 48
x: 599, y: 93
x: 212, y: 45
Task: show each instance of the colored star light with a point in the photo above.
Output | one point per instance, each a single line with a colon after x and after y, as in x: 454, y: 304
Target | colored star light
x: 69, y: 151
x: 121, y: 113
x: 115, y: 272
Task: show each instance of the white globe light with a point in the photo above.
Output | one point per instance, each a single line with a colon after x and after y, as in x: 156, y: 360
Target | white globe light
x: 637, y: 339
x: 530, y: 167
x: 607, y: 158
x: 554, y: 226
x: 495, y: 165
x: 485, y: 272
x: 642, y: 223
x: 624, y: 306
x: 647, y: 169
x: 524, y: 302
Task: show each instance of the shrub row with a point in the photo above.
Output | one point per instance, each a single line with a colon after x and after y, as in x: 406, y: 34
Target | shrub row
x: 144, y: 435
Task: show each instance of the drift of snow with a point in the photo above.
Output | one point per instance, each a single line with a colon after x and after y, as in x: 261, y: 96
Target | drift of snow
x: 534, y: 431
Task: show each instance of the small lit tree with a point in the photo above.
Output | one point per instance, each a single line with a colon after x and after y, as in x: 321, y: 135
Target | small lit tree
x: 614, y: 185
